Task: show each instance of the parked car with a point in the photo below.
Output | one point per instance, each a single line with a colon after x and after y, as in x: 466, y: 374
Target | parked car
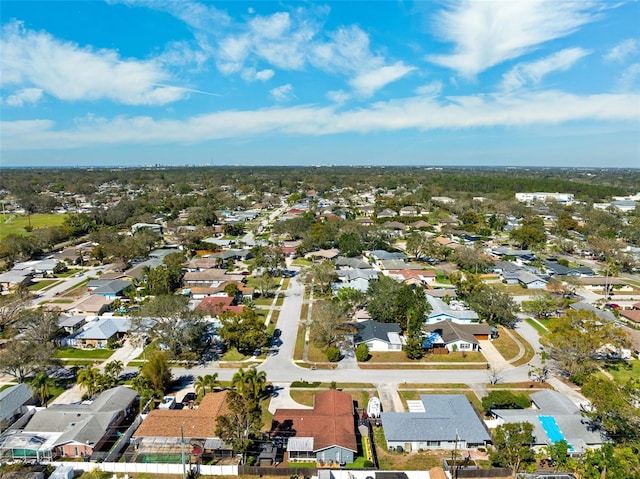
x: 188, y: 399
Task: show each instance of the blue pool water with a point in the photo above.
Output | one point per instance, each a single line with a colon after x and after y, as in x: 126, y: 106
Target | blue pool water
x: 554, y: 433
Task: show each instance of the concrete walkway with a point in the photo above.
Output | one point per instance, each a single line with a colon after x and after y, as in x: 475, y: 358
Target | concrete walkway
x: 281, y: 398
x: 389, y: 398
x: 493, y: 356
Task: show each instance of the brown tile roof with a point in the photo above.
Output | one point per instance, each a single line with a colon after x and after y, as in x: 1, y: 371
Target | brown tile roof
x: 214, y: 305
x: 330, y: 422
x: 631, y: 314
x: 200, y: 423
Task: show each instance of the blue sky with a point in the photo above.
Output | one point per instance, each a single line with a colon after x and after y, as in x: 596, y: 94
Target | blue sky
x: 487, y: 83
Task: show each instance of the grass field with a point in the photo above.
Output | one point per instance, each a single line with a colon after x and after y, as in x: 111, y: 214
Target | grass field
x: 506, y: 345
x: 538, y: 326
x: 42, y: 284
x: 75, y: 353
x: 11, y: 224
x: 625, y: 370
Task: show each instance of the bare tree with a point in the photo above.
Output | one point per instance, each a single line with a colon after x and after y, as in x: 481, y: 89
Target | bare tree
x: 496, y: 374
x: 12, y: 306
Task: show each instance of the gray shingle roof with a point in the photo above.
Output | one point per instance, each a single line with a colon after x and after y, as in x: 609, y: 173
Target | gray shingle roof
x: 85, y: 423
x: 370, y: 329
x: 384, y: 255
x: 12, y: 398
x: 567, y: 415
x: 450, y: 331
x: 445, y: 416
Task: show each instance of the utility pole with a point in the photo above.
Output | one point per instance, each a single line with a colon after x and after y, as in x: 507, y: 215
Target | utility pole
x: 184, y: 466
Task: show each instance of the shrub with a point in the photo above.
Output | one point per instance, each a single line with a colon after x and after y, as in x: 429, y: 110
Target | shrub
x: 501, y: 399
x: 362, y: 352
x: 333, y: 354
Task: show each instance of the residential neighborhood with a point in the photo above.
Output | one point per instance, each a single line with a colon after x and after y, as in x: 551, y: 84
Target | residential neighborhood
x: 246, y: 330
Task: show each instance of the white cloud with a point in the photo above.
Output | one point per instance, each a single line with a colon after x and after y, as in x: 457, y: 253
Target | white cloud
x: 420, y: 113
x: 338, y: 96
x: 367, y: 83
x: 70, y: 72
x: 250, y: 74
x: 24, y: 96
x: 622, y: 51
x: 282, y: 93
x: 430, y: 89
x: 629, y: 80
x: 486, y: 33
x: 534, y: 72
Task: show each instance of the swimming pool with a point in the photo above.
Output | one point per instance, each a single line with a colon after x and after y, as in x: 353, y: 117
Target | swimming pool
x: 552, y: 430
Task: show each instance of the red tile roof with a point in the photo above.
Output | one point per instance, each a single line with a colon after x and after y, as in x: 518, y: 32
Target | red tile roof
x: 331, y: 421
x: 631, y: 314
x: 200, y: 423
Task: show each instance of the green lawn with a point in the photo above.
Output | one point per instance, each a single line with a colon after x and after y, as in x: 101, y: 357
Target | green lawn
x: 537, y: 326
x: 624, y: 370
x: 42, y: 284
x: 16, y: 224
x: 76, y: 353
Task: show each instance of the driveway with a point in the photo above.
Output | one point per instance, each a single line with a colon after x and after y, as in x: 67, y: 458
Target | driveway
x: 493, y: 356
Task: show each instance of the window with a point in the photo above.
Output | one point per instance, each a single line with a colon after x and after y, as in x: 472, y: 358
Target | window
x: 465, y: 346
x: 433, y: 443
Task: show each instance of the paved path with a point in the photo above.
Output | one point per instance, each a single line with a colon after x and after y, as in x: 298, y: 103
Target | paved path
x: 389, y: 397
x: 493, y: 356
x: 281, y: 398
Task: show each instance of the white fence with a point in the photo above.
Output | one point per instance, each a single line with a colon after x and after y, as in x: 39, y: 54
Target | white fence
x: 128, y: 467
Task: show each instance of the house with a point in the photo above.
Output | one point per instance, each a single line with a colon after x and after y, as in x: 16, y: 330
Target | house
x: 71, y: 323
x: 395, y: 226
x: 386, y: 213
x: 554, y: 417
x: 351, y: 263
x: 455, y: 336
x: 169, y: 426
x: 353, y: 274
x: 327, y: 254
x: 71, y: 430
x: 632, y: 315
x: 438, y: 421
x: 359, y: 284
x: 520, y: 255
x: 564, y: 198
x: 12, y: 403
x: 409, y: 211
x: 420, y: 225
x: 530, y: 280
x: 13, y: 278
x: 216, y: 305
x: 378, y: 336
x: 209, y: 277
x: 156, y: 228
x: 455, y: 311
x: 108, y: 288
x: 325, y: 434
x: 602, y: 315
x: 610, y: 283
x: 556, y: 269
x: 408, y: 274
x: 92, y: 305
x: 382, y: 255
x: 97, y: 332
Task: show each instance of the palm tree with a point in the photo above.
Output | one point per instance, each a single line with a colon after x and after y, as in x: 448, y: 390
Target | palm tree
x: 209, y: 381
x: 88, y: 378
x: 40, y: 384
x: 113, y: 370
x: 250, y: 382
